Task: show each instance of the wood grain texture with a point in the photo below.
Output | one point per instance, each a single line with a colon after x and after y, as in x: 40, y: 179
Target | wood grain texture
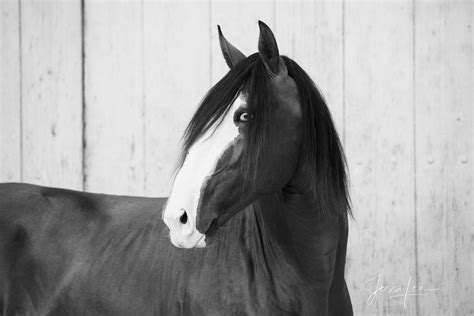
x: 51, y: 93
x: 397, y: 76
x: 444, y: 104
x: 311, y: 33
x: 114, y: 111
x: 10, y: 106
x: 379, y: 146
x: 177, y: 76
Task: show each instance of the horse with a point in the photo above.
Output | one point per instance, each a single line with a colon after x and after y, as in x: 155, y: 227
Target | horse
x: 256, y: 222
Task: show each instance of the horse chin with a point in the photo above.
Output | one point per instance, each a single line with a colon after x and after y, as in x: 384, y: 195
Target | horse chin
x: 196, y: 240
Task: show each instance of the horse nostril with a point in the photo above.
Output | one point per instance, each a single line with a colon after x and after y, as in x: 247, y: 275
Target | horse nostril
x: 183, y: 218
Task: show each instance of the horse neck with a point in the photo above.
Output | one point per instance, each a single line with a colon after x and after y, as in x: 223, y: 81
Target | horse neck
x: 290, y: 222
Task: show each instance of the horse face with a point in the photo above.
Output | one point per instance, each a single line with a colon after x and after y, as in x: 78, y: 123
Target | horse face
x: 210, y: 187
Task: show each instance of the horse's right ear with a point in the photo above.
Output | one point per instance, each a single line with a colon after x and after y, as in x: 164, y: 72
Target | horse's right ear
x: 231, y: 54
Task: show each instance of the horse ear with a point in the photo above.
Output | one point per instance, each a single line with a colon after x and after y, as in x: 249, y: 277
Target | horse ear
x: 268, y: 50
x: 231, y: 54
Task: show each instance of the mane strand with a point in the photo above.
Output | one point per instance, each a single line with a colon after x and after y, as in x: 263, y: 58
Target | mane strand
x: 321, y: 144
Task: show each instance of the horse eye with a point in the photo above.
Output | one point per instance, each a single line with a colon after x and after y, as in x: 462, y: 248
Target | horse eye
x: 242, y: 116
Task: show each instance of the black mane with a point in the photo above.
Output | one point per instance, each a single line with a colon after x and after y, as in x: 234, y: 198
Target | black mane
x: 321, y: 145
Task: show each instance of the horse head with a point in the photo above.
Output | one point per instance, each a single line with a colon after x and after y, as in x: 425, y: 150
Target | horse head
x: 243, y: 142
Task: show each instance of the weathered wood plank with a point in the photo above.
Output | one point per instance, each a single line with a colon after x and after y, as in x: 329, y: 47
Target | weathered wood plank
x: 177, y: 75
x: 114, y: 111
x: 52, y: 93
x: 147, y: 69
x: 444, y: 174
x: 379, y: 146
x: 311, y: 34
x: 238, y: 20
x: 10, y: 106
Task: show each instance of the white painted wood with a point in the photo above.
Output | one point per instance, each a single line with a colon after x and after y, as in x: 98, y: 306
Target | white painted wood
x: 177, y: 76
x: 149, y: 63
x: 114, y: 97
x: 10, y: 108
x: 311, y: 34
x: 239, y: 23
x: 51, y: 93
x: 379, y: 146
x: 444, y: 174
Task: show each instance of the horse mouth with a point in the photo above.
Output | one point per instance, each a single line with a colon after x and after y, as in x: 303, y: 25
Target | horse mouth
x: 198, y: 243
x: 212, y: 229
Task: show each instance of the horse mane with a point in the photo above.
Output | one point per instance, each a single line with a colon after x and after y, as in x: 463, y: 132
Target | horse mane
x: 321, y: 144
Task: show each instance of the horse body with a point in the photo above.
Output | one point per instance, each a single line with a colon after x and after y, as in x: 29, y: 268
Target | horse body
x: 66, y: 252
x: 255, y: 224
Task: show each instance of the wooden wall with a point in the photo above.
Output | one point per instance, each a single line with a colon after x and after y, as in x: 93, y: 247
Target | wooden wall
x: 95, y: 95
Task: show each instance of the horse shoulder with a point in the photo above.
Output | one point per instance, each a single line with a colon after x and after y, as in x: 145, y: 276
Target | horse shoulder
x: 41, y: 230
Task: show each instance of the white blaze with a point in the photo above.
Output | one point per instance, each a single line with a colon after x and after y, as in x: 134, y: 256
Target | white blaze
x: 199, y: 163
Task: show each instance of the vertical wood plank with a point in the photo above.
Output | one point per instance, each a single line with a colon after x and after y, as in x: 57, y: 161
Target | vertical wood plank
x: 379, y: 146
x: 444, y: 134
x: 10, y: 107
x: 51, y: 93
x: 177, y: 76
x: 114, y: 97
x: 311, y: 34
x: 238, y: 20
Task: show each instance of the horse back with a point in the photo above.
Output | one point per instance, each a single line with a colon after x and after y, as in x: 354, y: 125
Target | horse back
x: 44, y: 234
x: 40, y: 228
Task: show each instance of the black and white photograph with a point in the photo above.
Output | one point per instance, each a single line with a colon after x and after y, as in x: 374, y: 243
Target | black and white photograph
x: 236, y: 157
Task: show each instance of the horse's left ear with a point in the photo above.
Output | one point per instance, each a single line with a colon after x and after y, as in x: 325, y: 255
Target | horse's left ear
x: 268, y: 50
x: 232, y: 55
